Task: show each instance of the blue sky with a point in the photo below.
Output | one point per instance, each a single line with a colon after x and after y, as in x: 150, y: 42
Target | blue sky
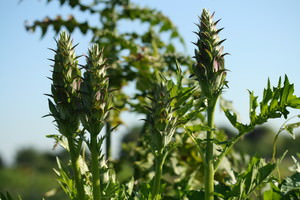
x: 262, y: 38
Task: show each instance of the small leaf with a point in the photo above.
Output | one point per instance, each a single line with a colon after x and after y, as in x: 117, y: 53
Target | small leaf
x: 271, y: 195
x: 290, y: 128
x: 196, y: 128
x: 294, y: 103
x: 291, y: 183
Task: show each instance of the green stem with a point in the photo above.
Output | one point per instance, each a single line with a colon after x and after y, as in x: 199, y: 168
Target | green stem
x: 209, y: 172
x: 95, y: 168
x: 108, y: 140
x: 74, y: 155
x: 276, y: 136
x: 274, y: 147
x: 159, y: 162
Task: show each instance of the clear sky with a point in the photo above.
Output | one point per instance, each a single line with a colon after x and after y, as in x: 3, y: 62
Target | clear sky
x: 263, y: 38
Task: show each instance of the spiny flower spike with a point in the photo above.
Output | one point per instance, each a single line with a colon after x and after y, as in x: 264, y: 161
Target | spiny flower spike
x: 209, y: 68
x: 162, y: 119
x: 95, y: 92
x: 66, y: 78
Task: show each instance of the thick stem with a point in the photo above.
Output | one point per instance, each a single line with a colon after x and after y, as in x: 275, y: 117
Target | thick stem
x: 159, y: 162
x: 209, y: 171
x: 76, y: 169
x: 95, y: 168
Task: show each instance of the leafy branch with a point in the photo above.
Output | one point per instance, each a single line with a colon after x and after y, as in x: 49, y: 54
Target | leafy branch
x: 274, y: 104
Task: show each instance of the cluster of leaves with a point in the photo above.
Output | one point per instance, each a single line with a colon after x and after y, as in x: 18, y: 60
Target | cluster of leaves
x: 274, y: 104
x: 288, y: 188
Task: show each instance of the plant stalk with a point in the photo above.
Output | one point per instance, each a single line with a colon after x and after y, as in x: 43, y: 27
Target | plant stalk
x: 95, y: 168
x: 159, y: 162
x: 209, y: 171
x: 108, y: 140
x: 76, y: 169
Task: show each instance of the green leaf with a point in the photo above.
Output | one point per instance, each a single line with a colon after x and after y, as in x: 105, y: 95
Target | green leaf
x: 7, y: 196
x: 165, y: 27
x: 290, y: 128
x: 291, y: 184
x: 275, y: 102
x: 287, y: 90
x: 294, y: 103
x: 256, y: 175
x: 267, y: 94
x: 174, y: 34
x: 52, y: 108
x: 271, y: 195
x: 232, y: 117
x: 196, y: 128
x: 195, y: 195
x: 253, y: 106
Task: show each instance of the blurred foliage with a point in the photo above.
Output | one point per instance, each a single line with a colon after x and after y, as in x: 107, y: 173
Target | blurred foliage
x: 31, y: 175
x: 260, y: 142
x: 30, y: 158
x: 2, y: 164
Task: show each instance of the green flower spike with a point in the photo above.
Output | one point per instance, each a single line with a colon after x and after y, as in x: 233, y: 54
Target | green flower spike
x: 209, y: 68
x: 95, y: 92
x: 66, y: 79
x: 163, y: 120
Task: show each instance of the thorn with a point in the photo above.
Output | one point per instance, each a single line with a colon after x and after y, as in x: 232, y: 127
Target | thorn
x: 51, y: 59
x: 49, y: 95
x: 217, y: 21
x: 52, y: 50
x: 48, y: 115
x: 51, y: 79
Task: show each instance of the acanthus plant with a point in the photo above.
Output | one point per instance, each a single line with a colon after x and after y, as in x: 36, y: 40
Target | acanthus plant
x: 179, y: 129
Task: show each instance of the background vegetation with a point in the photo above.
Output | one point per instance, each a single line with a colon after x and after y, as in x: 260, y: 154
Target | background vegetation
x: 36, y: 168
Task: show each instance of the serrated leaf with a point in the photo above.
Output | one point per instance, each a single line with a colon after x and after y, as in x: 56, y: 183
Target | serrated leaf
x: 256, y: 175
